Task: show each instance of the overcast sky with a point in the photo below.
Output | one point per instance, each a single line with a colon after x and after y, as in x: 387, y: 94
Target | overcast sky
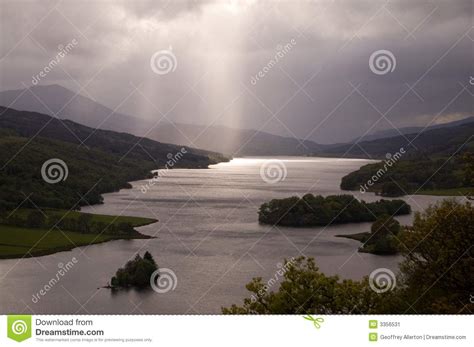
x: 296, y: 68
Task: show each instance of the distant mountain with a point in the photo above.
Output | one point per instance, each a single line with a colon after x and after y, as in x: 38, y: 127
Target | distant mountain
x: 410, y: 130
x: 438, y: 142
x: 54, y: 99
x: 235, y: 141
x: 32, y: 124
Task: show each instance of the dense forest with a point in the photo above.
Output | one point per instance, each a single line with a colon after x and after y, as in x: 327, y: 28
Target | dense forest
x: 90, y: 173
x: 311, y: 210
x: 438, y: 161
x: 417, y: 175
x: 106, y: 163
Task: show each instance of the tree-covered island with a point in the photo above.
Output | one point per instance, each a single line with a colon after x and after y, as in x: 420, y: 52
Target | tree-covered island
x: 136, y: 272
x: 311, y: 210
x: 382, y: 238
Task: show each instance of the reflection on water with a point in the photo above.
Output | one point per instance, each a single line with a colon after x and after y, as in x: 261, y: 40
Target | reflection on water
x: 207, y: 234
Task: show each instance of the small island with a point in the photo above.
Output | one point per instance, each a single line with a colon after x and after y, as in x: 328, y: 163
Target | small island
x: 382, y: 238
x: 136, y: 273
x: 317, y: 210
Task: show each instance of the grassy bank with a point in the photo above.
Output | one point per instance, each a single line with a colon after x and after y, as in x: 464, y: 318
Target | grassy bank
x: 22, y: 241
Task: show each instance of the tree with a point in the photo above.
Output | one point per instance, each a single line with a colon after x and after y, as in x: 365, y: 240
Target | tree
x: 439, y: 258
x: 384, y: 226
x: 391, y: 189
x: 383, y: 236
x: 84, y: 223
x: 136, y: 272
x: 35, y: 219
x: 3, y: 206
x: 100, y: 227
x: 305, y: 289
x: 141, y: 276
x: 148, y: 257
x: 468, y: 158
x: 469, y: 173
x: 126, y: 228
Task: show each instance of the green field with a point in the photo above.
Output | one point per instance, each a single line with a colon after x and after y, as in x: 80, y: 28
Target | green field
x: 19, y: 242
x: 135, y: 221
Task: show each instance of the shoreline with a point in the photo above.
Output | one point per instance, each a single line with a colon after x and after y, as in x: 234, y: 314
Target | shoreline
x: 70, y: 239
x: 51, y: 251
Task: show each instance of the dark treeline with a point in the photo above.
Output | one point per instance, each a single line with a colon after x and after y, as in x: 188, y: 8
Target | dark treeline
x: 317, y: 210
x: 413, y: 175
x: 84, y: 223
x: 90, y: 173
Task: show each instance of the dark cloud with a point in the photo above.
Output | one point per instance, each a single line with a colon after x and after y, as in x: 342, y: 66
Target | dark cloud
x: 220, y: 45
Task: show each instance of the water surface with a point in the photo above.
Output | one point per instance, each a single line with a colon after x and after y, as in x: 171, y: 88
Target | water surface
x: 207, y: 234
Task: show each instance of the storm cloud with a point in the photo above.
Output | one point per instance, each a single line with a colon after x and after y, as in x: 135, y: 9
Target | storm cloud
x: 293, y: 68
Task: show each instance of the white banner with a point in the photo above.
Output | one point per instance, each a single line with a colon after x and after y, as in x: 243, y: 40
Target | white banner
x: 201, y: 330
